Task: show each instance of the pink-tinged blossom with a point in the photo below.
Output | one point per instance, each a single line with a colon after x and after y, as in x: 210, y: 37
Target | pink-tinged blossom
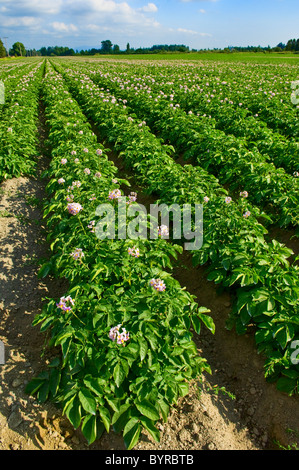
x: 120, y: 338
x: 74, y: 208
x: 163, y: 231
x: 244, y: 194
x: 66, y: 303
x: 87, y: 171
x: 77, y: 254
x: 70, y: 198
x: 246, y: 214
x: 75, y: 184
x: 73, y: 152
x: 158, y: 285
x: 9, y: 129
x: 206, y: 199
x: 80, y: 132
x: 228, y: 200
x: 115, y: 194
x: 61, y: 181
x: 99, y: 152
x: 85, y: 150
x: 296, y: 174
x: 63, y: 161
x: 91, y: 226
x: 98, y: 174
x: 134, y: 252
x: 132, y: 198
x: 113, y: 332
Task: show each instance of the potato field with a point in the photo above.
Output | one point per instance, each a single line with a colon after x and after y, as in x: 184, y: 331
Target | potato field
x: 211, y: 145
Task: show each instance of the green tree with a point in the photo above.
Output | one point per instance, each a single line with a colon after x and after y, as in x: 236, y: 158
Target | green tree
x: 2, y: 50
x: 18, y: 49
x: 106, y: 47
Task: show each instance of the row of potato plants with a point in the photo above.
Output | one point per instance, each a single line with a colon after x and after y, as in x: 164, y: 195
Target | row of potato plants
x: 265, y: 90
x: 239, y: 122
x: 123, y: 327
x: 198, y: 95
x: 18, y: 125
x: 269, y: 96
x: 258, y: 273
x: 222, y: 155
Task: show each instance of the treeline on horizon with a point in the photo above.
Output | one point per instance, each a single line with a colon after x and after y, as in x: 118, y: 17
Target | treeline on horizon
x: 107, y: 47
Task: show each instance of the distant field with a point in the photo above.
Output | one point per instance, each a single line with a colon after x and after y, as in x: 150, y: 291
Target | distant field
x: 242, y: 57
x: 214, y: 56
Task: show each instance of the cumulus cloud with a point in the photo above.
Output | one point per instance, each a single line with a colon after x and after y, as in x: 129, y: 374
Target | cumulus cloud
x: 34, y: 7
x: 78, y: 23
x: 64, y: 28
x: 19, y: 21
x: 150, y: 8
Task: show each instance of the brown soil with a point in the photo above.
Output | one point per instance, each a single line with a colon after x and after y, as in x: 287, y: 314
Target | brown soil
x: 257, y: 417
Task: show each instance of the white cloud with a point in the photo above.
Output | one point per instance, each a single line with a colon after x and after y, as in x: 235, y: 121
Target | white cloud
x: 150, y: 8
x: 202, y: 11
x: 35, y: 7
x: 19, y: 21
x: 190, y: 31
x: 64, y: 28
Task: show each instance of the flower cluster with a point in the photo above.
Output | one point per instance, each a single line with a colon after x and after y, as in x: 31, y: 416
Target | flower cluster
x: 121, y: 338
x: 244, y: 194
x: 74, y: 208
x: 163, y: 231
x: 115, y: 194
x: 158, y: 285
x: 77, y: 254
x: 132, y: 197
x: 61, y: 181
x: 64, y: 303
x: 91, y: 226
x: 63, y: 161
x: 134, y: 252
x: 228, y: 200
x: 246, y: 214
x: 75, y: 184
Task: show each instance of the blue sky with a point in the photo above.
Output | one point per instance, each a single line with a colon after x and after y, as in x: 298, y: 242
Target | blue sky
x: 195, y: 23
